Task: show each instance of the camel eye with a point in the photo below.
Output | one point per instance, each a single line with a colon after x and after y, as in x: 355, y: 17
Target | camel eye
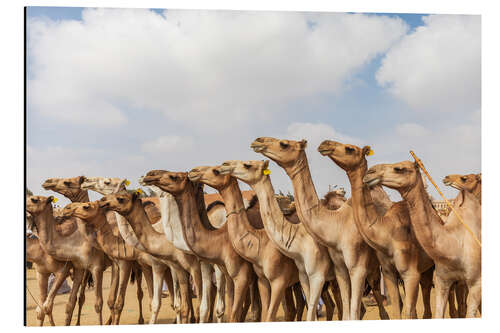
x: 399, y: 170
x: 86, y: 207
x: 216, y: 172
x: 284, y: 145
x: 33, y: 200
x: 173, y: 177
x: 349, y: 150
x: 247, y: 166
x: 67, y: 183
x: 120, y: 200
x: 464, y: 179
x: 107, y: 182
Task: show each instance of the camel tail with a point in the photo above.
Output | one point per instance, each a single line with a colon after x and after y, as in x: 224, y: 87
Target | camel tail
x: 90, y: 280
x: 135, y: 275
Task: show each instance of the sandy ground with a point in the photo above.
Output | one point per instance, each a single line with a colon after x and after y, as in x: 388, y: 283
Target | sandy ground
x: 130, y: 309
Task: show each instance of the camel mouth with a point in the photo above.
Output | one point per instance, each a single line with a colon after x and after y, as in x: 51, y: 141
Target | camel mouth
x: 372, y: 182
x: 48, y: 186
x: 225, y: 170
x: 257, y: 147
x: 447, y: 182
x: 325, y: 151
x: 149, y: 180
x: 104, y: 205
x: 141, y: 181
x: 194, y: 177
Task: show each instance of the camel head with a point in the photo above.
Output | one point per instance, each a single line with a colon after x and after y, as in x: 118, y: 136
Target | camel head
x: 334, y: 199
x: 283, y: 152
x: 171, y: 182
x: 210, y: 176
x: 156, y: 190
x: 249, y: 172
x: 68, y: 187
x: 104, y: 185
x: 86, y: 211
x: 285, y: 204
x: 346, y: 156
x: 469, y: 183
x: 398, y: 176
x: 122, y: 202
x: 37, y: 204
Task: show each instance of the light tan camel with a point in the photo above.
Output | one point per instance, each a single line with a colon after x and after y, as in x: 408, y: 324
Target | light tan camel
x: 354, y: 260
x: 107, y: 186
x: 74, y: 248
x: 130, y: 207
x: 75, y: 190
x: 312, y: 260
x: 389, y: 234
x: 115, y: 248
x: 201, y: 236
x: 45, y: 265
x: 275, y: 271
x: 455, y: 253
x: 334, y: 199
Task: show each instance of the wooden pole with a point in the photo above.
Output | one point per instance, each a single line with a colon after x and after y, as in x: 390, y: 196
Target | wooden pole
x: 421, y: 165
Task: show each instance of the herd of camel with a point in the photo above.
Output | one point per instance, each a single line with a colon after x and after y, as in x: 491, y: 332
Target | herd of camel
x: 253, y: 257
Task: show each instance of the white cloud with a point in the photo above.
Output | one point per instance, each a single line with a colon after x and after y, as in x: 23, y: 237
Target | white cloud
x: 411, y: 130
x: 167, y: 144
x: 438, y: 67
x: 196, y: 67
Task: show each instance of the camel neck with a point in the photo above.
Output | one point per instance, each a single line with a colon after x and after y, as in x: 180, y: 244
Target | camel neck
x: 198, y: 237
x: 276, y: 225
x: 147, y: 235
x: 363, y: 206
x: 477, y: 193
x: 112, y: 245
x: 34, y: 251
x: 244, y: 238
x: 80, y: 196
x: 46, y: 227
x: 426, y: 223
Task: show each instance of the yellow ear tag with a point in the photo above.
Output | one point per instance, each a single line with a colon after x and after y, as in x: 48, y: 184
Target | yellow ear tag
x: 127, y: 183
x: 267, y: 172
x: 369, y: 152
x: 54, y: 199
x: 138, y: 191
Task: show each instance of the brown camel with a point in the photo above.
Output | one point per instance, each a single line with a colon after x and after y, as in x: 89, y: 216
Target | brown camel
x: 275, y: 271
x: 74, y: 189
x: 389, y: 234
x: 313, y: 263
x: 334, y: 199
x: 74, y: 248
x: 354, y: 260
x: 44, y: 265
x: 115, y: 248
x: 130, y: 207
x: 200, y: 235
x: 455, y: 253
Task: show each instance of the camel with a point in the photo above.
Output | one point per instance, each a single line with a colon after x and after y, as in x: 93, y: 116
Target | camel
x: 75, y: 190
x: 389, y: 234
x: 44, y: 265
x: 311, y: 259
x: 130, y: 207
x: 74, y: 248
x: 455, y: 253
x: 275, y: 271
x: 334, y: 199
x: 124, y: 231
x: 200, y: 235
x: 125, y: 255
x: 354, y: 261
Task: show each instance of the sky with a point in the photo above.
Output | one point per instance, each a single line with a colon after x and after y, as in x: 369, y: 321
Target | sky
x: 119, y: 92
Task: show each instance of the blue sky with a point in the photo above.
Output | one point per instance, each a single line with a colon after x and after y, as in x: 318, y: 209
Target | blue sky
x: 187, y: 88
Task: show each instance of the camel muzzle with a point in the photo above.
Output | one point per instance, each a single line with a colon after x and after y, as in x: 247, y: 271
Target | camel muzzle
x: 149, y: 180
x: 225, y: 170
x: 257, y: 147
x: 104, y: 204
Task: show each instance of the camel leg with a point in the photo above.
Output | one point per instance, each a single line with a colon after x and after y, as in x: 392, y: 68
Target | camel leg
x: 300, y: 302
x: 148, y: 277
x: 246, y: 305
x: 81, y: 297
x: 451, y: 301
x: 265, y: 291
x: 198, y: 283
x: 373, y: 278
x: 411, y: 294
x: 185, y: 294
x: 474, y: 299
x: 391, y: 283
x: 334, y: 287
x: 461, y: 291
x: 426, y: 286
x: 47, y: 306
x: 278, y: 287
x: 230, y: 296
x: 168, y: 278
x: 113, y: 290
x: 124, y: 276
x: 140, y: 293
x: 316, y: 283
x: 442, y: 293
x: 344, y: 283
x: 358, y: 277
x: 241, y: 283
x: 70, y: 306
x: 288, y: 305
x: 329, y: 305
x: 158, y: 273
x: 97, y: 273
x: 43, y: 281
x: 255, y: 300
x: 220, y: 282
x: 206, y: 291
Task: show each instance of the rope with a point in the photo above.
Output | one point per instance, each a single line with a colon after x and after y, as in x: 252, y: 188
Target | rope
x: 421, y: 165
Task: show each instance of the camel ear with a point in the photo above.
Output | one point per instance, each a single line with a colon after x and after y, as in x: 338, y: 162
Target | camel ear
x: 266, y: 164
x: 303, y: 144
x: 81, y: 180
x: 478, y: 177
x: 367, y: 151
x: 50, y: 199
